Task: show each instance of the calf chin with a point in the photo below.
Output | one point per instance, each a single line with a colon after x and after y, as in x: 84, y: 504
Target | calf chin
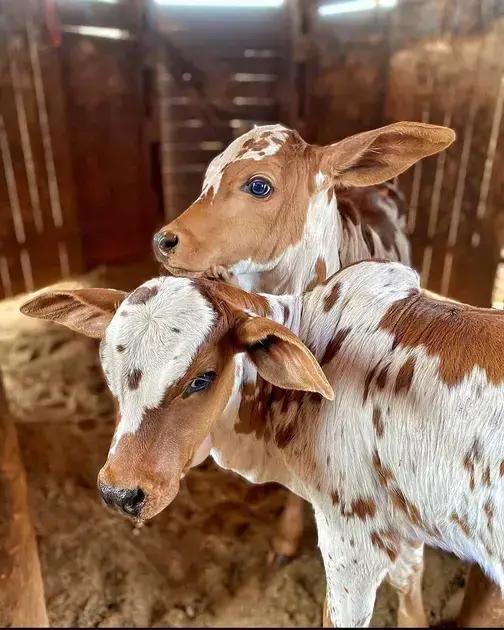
x: 179, y: 271
x: 154, y: 504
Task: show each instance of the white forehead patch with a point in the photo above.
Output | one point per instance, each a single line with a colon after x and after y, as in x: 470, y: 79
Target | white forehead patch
x: 272, y: 135
x: 150, y: 343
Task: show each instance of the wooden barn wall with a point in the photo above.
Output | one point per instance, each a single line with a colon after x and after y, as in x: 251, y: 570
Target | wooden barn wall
x: 98, y: 132
x: 437, y: 61
x: 113, y: 139
x: 39, y: 237
x: 347, y: 66
x: 219, y: 72
x: 452, y: 73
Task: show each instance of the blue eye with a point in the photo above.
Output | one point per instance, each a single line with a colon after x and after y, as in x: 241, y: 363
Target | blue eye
x: 200, y: 383
x: 258, y: 187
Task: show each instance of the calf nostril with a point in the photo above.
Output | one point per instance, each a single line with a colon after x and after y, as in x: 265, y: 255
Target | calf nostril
x: 165, y: 241
x: 108, y: 494
x: 128, y: 501
x: 132, y: 501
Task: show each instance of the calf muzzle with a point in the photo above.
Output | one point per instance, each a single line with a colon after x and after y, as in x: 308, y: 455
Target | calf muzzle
x: 129, y: 501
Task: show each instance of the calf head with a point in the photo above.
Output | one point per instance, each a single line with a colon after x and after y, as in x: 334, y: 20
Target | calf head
x: 167, y: 352
x: 258, y: 193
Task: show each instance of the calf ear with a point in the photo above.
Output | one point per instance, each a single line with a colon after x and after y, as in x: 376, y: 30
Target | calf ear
x: 280, y: 357
x: 373, y: 157
x: 87, y: 311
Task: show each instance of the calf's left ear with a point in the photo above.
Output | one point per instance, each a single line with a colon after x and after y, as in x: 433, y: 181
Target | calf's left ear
x: 373, y: 157
x: 87, y: 311
x: 280, y: 357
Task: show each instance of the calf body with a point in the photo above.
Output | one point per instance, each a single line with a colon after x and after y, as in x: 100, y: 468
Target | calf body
x: 409, y: 451
x: 305, y: 227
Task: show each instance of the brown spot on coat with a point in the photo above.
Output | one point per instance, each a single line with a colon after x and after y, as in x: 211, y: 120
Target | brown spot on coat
x: 367, y: 236
x: 363, y: 509
x: 463, y: 337
x: 246, y: 421
x: 385, y: 475
x: 485, y: 477
x: 368, y: 380
x: 381, y: 379
x: 335, y: 497
x: 134, y: 378
x: 331, y: 299
x: 386, y: 541
x: 334, y: 345
x: 366, y: 205
x: 120, y: 348
x: 348, y: 209
x: 402, y: 503
x: 489, y: 511
x: 142, y: 295
x: 285, y: 435
x: 286, y: 313
x: 461, y: 522
x: 473, y: 455
x: 501, y: 468
x: 320, y: 274
x: 405, y: 376
x: 253, y: 144
x: 469, y: 466
x: 377, y: 422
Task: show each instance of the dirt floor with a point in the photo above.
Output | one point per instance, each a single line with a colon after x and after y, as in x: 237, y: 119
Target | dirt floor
x: 202, y: 562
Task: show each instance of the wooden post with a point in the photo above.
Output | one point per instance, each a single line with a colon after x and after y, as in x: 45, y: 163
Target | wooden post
x: 21, y: 589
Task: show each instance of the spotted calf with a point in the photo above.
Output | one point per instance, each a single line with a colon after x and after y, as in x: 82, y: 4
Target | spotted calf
x: 277, y: 214
x: 380, y: 406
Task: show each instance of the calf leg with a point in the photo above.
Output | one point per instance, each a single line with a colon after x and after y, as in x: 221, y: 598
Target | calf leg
x: 326, y: 622
x: 483, y: 605
x: 406, y: 577
x: 289, y: 529
x: 354, y: 570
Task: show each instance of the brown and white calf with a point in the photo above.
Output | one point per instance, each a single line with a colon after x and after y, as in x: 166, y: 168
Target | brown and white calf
x: 279, y: 215
x: 380, y: 406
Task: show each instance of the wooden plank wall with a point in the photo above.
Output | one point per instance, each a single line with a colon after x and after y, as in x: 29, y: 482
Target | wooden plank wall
x: 437, y: 61
x: 85, y: 162
x: 453, y: 73
x: 220, y: 71
x: 347, y: 66
x: 113, y: 137
x: 39, y: 240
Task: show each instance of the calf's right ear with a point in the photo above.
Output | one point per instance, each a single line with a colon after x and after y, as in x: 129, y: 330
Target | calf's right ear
x: 280, y: 357
x: 87, y: 311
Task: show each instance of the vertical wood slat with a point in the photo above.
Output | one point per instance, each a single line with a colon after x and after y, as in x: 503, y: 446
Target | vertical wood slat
x: 39, y: 240
x: 22, y: 602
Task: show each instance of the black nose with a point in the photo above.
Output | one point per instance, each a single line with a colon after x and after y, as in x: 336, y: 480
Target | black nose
x: 125, y: 500
x: 164, y: 242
